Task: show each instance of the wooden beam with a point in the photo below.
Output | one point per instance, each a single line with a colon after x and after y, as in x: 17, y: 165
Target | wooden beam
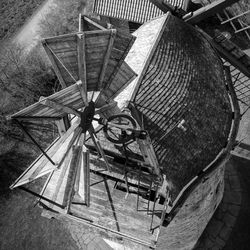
x: 85, y: 167
x: 207, y: 11
x: 80, y: 23
x: 163, y: 5
x: 98, y: 26
x: 106, y: 58
x: 59, y: 107
x: 81, y: 88
x: 76, y: 157
x: 81, y: 57
x: 54, y: 64
x: 55, y: 150
x: 231, y: 90
x: 149, y: 155
x: 227, y: 55
x: 98, y: 146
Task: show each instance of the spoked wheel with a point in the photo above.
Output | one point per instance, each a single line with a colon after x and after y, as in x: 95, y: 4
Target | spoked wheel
x: 119, y: 128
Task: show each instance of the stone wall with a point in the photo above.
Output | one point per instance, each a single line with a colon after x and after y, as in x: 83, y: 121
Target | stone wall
x: 186, y: 227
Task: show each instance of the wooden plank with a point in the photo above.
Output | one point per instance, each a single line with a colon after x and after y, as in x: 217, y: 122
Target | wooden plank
x: 106, y: 58
x: 59, y: 177
x: 88, y: 20
x: 82, y: 67
x: 207, y: 11
x: 63, y: 95
x: 59, y: 107
x: 149, y: 155
x: 83, y: 183
x: 86, y: 167
x: 98, y: 146
x: 54, y: 65
x: 82, y: 92
x: 62, y: 153
x: 60, y: 38
x: 76, y: 157
x: 42, y: 160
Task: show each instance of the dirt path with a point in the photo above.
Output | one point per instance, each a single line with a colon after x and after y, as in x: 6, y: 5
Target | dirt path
x: 28, y: 36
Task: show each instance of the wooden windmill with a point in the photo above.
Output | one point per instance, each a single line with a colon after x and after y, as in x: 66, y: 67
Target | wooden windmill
x: 141, y: 103
x: 90, y: 66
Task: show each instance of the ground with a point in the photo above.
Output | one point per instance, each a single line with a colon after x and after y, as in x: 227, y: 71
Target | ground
x: 22, y: 226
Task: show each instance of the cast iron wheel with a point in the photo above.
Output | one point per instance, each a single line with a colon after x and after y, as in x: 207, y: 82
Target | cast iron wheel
x: 119, y: 128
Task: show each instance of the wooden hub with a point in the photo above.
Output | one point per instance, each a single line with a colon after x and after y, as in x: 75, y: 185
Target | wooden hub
x: 87, y: 116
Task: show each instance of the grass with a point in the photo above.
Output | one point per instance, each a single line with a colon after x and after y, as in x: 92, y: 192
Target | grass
x: 14, y: 13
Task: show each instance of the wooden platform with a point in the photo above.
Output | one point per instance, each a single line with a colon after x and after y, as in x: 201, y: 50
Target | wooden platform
x: 110, y: 206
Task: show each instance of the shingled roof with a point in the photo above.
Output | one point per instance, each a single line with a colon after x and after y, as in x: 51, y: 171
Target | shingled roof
x: 138, y: 11
x: 180, y: 81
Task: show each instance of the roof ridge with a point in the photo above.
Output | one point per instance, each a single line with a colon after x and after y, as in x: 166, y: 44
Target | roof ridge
x: 151, y: 52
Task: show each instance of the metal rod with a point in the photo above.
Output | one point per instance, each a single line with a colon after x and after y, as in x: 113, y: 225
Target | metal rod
x: 164, y: 211
x: 125, y: 172
x: 44, y: 187
x: 149, y: 194
x: 153, y: 210
x: 39, y: 196
x: 35, y: 142
x: 139, y: 182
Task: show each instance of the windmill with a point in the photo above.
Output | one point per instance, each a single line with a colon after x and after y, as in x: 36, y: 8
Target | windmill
x: 167, y: 118
x: 90, y: 66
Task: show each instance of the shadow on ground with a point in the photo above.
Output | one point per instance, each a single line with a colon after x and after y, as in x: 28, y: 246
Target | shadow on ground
x: 21, y: 224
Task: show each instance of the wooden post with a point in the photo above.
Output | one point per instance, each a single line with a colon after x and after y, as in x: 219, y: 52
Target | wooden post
x: 81, y: 57
x: 72, y: 177
x: 106, y: 58
x: 207, y: 11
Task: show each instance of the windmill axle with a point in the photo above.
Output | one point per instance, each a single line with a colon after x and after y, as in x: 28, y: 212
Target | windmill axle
x: 87, y: 116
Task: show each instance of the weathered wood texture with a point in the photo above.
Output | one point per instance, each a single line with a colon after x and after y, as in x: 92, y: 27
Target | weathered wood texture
x: 69, y: 96
x: 207, y: 11
x: 64, y: 50
x: 187, y: 226
x: 59, y: 187
x: 138, y: 11
x: 58, y: 151
x: 118, y: 74
x: 108, y: 206
x: 102, y: 53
